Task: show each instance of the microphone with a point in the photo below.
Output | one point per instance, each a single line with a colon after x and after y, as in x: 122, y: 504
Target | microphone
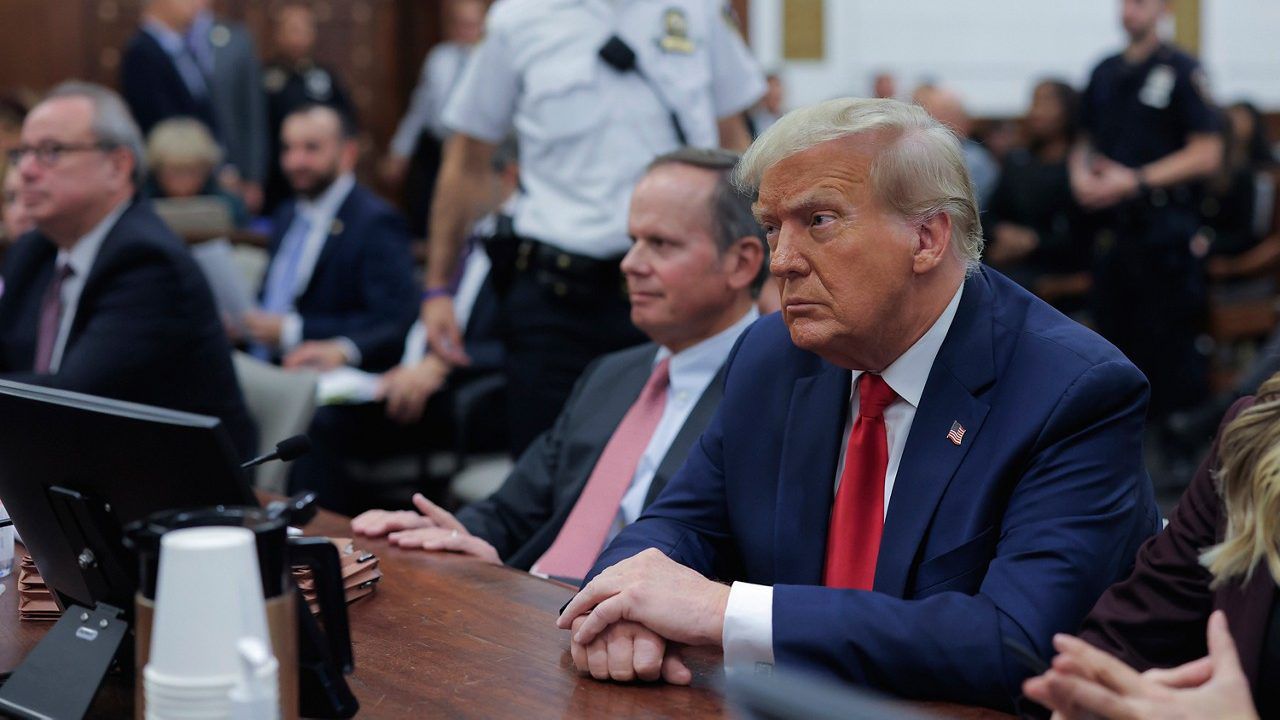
x: 288, y: 449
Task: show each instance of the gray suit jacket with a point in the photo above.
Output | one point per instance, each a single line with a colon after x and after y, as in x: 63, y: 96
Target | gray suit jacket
x: 239, y: 100
x: 524, y: 516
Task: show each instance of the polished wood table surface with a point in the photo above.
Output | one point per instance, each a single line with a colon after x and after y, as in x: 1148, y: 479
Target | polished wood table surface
x: 449, y: 636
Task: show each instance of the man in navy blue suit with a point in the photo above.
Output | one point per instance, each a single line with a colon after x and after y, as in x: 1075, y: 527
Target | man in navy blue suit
x: 339, y: 289
x: 160, y: 76
x: 914, y: 463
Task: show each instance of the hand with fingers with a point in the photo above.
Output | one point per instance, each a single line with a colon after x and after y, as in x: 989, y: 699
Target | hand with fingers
x: 650, y: 589
x: 628, y: 651
x: 1086, y: 682
x: 437, y: 529
x: 376, y: 523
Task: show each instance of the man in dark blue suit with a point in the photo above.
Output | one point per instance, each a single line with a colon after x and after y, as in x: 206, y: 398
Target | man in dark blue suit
x: 101, y: 297
x: 160, y: 76
x: 339, y: 289
x: 916, y: 462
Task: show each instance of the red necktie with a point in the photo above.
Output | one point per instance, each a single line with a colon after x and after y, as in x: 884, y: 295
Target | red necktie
x: 584, y: 532
x: 50, y: 319
x: 857, y: 520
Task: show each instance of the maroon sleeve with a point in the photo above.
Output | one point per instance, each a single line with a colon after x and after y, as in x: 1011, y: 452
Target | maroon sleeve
x: 1157, y: 616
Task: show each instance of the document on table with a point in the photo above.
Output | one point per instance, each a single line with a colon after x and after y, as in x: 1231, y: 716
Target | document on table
x: 230, y: 290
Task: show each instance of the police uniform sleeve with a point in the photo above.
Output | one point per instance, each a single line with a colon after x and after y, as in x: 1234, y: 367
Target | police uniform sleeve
x: 1191, y: 102
x: 736, y: 80
x: 484, y: 102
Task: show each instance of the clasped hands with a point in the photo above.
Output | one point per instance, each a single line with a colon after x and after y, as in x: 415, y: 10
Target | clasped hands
x: 631, y: 621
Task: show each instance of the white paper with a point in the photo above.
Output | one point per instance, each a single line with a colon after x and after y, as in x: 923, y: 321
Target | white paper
x: 230, y: 289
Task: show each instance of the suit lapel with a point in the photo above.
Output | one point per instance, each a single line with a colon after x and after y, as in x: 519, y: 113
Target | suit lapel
x: 689, y: 433
x: 336, y: 234
x: 807, y: 474
x: 624, y: 387
x: 965, y: 365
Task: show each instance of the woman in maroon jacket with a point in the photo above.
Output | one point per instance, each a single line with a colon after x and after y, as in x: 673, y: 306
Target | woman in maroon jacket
x: 1219, y: 556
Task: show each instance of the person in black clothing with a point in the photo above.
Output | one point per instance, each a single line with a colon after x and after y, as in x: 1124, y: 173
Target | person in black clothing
x: 1035, y: 228
x: 295, y: 80
x: 1149, y: 133
x: 1240, y: 240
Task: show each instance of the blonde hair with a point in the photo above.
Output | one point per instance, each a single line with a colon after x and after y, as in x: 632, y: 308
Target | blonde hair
x: 182, y: 140
x: 1248, y: 480
x: 918, y: 173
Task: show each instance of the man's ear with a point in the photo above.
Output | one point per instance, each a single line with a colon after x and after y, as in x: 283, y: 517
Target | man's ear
x: 123, y: 162
x: 931, y: 243
x: 350, y: 154
x: 743, y: 261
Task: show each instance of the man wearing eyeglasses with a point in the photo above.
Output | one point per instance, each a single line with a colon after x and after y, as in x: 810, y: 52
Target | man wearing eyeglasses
x: 101, y: 297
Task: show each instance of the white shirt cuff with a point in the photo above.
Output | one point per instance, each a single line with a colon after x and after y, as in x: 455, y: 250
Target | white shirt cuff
x: 350, y: 349
x: 748, y: 629
x: 290, y: 332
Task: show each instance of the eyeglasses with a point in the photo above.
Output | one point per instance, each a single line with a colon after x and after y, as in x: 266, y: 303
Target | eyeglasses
x: 48, y: 154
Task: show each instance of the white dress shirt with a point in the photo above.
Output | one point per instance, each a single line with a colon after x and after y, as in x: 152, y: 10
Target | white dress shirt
x: 748, y: 617
x: 80, y: 257
x: 320, y: 213
x: 587, y: 131
x: 691, y: 371
x: 441, y: 71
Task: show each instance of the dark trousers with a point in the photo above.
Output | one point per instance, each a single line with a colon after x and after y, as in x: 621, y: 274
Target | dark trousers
x: 550, y: 340
x: 1150, y: 300
x: 343, y: 433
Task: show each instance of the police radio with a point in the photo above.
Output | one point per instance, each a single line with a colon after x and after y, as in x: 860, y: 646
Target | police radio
x: 617, y: 54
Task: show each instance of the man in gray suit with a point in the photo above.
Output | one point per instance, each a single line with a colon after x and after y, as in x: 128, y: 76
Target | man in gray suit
x: 697, y: 259
x: 226, y: 53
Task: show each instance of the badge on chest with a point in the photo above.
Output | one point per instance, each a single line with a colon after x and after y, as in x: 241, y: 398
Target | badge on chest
x: 675, y: 28
x: 1158, y: 87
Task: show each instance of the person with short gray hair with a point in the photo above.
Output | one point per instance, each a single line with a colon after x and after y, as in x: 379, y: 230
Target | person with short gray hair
x: 102, y: 298
x: 914, y: 463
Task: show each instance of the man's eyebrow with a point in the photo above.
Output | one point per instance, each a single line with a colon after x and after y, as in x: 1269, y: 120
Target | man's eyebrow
x: 811, y: 200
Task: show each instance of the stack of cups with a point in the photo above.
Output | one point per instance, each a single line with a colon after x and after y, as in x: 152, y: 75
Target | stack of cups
x: 208, y: 599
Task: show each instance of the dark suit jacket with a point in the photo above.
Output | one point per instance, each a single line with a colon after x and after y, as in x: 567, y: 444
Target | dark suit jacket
x: 1014, y: 532
x: 524, y: 516
x: 1157, y: 617
x: 240, y: 102
x: 362, y: 287
x: 154, y: 89
x: 145, y: 329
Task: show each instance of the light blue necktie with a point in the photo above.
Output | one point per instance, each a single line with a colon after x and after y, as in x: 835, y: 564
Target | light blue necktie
x: 282, y: 277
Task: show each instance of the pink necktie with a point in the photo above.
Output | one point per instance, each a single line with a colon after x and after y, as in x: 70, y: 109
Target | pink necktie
x: 50, y: 319
x: 585, y: 530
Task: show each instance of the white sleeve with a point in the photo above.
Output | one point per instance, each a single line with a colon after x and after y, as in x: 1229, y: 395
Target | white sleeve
x: 748, y: 629
x: 483, y: 104
x: 416, y: 116
x: 737, y: 82
x: 290, y: 332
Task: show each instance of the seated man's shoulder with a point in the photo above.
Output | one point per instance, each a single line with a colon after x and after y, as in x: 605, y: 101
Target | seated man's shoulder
x: 366, y: 206
x: 766, y: 345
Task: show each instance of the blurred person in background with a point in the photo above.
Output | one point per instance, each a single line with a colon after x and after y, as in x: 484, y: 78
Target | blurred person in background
x: 183, y: 158
x: 947, y: 108
x: 1034, y: 228
x: 766, y: 112
x: 1149, y: 133
x: 413, y: 159
x: 293, y: 80
x: 1239, y: 207
x: 227, y: 55
x: 160, y: 77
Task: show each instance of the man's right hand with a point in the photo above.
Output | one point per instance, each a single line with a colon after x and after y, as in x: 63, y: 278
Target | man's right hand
x: 376, y: 523
x: 443, y: 334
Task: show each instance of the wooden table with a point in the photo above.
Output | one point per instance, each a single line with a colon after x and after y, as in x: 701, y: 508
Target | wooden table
x: 449, y: 636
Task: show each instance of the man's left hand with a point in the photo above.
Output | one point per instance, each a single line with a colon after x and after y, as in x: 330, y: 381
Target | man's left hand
x: 629, y: 651
x: 651, y: 589
x: 319, y: 355
x: 1112, y: 183
x: 264, y: 327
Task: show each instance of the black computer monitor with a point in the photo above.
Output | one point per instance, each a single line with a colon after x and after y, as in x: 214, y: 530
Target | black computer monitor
x: 128, y: 459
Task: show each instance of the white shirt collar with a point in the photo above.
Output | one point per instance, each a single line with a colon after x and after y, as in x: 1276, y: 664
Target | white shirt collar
x: 81, y: 255
x: 692, y: 368
x: 908, y: 374
x: 327, y: 205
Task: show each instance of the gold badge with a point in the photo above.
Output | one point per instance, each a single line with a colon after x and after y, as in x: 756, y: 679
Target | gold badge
x: 337, y: 227
x: 220, y: 35
x: 274, y: 79
x: 676, y: 27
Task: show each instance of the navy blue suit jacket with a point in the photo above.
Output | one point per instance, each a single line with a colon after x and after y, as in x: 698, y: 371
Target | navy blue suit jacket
x: 154, y: 89
x: 145, y: 329
x: 1015, y: 532
x: 362, y: 287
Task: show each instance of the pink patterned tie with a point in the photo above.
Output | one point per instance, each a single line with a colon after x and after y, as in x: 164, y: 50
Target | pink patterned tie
x: 585, y: 530
x: 50, y: 319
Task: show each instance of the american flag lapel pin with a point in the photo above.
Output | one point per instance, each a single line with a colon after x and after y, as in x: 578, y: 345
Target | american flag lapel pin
x: 956, y: 433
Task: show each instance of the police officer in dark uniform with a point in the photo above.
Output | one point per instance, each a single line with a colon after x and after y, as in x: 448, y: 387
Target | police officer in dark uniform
x: 294, y: 81
x: 1150, y: 134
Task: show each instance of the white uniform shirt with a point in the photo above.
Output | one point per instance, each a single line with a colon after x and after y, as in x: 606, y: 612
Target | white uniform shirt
x: 587, y: 131
x: 748, y: 618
